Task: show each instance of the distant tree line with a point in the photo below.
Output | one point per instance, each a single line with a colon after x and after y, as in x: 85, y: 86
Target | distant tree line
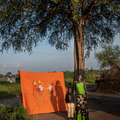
x: 9, y: 74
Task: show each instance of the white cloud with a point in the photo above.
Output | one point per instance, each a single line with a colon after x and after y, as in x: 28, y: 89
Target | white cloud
x: 11, y: 66
x: 4, y: 65
x: 16, y: 65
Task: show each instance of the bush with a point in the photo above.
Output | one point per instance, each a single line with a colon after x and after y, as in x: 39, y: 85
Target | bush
x: 1, y: 75
x: 13, y: 113
x: 68, y: 78
x: 102, y: 72
x: 17, y: 79
x: 86, y: 75
x: 68, y: 82
x: 68, y: 74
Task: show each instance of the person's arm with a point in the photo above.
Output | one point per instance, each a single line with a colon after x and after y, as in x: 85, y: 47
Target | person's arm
x: 85, y: 89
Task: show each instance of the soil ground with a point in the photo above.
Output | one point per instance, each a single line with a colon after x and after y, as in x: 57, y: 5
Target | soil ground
x: 101, y: 107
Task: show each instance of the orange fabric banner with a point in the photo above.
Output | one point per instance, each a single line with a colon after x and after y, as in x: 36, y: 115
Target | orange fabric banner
x: 43, y: 92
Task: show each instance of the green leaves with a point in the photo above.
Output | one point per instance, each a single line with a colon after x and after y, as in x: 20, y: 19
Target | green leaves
x: 109, y: 56
x: 13, y: 113
x: 55, y: 1
x: 77, y: 1
x: 26, y: 22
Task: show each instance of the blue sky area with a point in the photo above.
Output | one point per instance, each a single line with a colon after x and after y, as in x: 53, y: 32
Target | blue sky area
x: 45, y: 59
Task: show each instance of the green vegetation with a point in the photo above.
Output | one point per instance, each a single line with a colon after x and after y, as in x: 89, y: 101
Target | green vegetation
x: 1, y: 75
x: 68, y: 77
x: 58, y: 18
x: 109, y: 56
x: 9, y: 89
x: 9, y: 74
x: 14, y: 113
x: 90, y: 76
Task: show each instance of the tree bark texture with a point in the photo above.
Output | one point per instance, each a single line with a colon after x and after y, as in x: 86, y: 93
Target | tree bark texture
x: 78, y: 50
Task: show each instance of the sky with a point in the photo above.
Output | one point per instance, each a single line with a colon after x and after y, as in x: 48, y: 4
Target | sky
x: 45, y: 58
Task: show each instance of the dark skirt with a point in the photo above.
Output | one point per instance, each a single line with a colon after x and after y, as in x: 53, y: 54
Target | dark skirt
x: 81, y: 111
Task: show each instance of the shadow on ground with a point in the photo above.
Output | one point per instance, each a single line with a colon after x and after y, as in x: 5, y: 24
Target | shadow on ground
x: 51, y: 116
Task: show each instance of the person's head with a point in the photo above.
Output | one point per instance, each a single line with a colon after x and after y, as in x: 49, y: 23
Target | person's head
x: 69, y: 89
x: 79, y: 77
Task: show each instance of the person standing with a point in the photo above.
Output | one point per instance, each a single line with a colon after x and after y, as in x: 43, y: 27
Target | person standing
x: 81, y: 110
x: 70, y: 103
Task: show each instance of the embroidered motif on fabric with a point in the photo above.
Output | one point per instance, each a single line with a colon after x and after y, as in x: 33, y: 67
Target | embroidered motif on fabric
x: 40, y: 92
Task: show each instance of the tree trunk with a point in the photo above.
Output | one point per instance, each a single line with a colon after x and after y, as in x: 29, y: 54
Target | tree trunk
x: 78, y: 50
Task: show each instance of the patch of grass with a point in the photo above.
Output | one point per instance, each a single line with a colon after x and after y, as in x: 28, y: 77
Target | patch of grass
x: 14, y: 113
x: 90, y: 84
x: 9, y: 89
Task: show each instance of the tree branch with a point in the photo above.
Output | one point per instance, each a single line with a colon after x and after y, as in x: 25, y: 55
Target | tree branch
x: 83, y: 6
x: 50, y: 8
x: 66, y: 19
x: 9, y: 2
x: 84, y: 28
x: 54, y: 9
x: 92, y: 5
x: 100, y: 13
x: 34, y: 5
x: 45, y: 20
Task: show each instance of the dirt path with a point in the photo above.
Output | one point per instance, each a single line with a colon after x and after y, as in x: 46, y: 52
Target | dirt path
x: 104, y: 106
x: 101, y: 107
x: 10, y: 101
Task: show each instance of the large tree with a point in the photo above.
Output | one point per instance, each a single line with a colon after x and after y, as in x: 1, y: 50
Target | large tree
x: 23, y: 23
x: 8, y: 73
x: 109, y: 56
